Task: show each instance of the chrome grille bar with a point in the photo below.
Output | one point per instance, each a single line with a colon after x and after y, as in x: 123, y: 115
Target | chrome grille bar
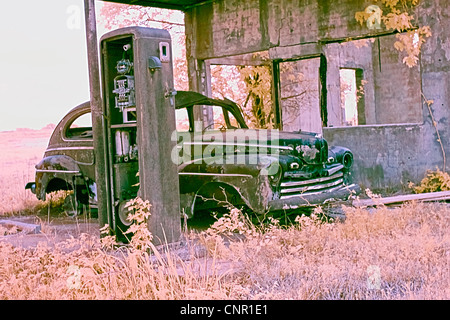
x: 311, y: 181
x: 312, y: 187
x: 310, y: 193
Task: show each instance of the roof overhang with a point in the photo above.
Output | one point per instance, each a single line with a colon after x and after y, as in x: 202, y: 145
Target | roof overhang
x: 182, y: 5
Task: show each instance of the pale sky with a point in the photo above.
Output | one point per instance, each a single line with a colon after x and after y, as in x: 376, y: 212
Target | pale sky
x: 44, y: 61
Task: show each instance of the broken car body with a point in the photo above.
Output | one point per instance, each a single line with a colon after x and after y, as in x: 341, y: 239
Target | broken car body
x: 224, y: 163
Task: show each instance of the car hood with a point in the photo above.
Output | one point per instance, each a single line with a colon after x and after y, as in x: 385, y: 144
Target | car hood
x: 309, y: 147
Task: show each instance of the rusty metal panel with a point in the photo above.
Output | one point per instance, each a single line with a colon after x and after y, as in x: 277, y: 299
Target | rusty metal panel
x: 97, y: 111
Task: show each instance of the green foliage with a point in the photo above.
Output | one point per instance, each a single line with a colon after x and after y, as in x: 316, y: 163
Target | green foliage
x: 395, y: 16
x: 141, y: 237
x: 434, y: 181
x: 258, y: 82
x: 139, y: 213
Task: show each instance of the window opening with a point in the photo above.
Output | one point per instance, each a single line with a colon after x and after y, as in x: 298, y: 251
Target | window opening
x: 182, y: 120
x: 250, y: 86
x: 352, y: 96
x: 300, y: 95
x: 81, y: 127
x: 349, y: 97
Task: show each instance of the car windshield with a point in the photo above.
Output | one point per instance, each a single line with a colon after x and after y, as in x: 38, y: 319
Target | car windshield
x: 216, y: 118
x: 217, y: 114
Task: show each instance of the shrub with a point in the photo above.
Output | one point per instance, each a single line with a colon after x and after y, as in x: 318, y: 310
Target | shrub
x: 434, y: 181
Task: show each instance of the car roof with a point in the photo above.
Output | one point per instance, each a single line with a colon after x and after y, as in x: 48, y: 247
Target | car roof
x: 185, y: 99
x: 188, y: 99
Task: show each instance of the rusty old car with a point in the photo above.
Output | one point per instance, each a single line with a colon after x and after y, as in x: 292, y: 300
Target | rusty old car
x: 224, y: 162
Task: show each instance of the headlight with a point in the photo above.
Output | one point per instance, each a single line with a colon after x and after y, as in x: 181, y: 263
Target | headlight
x: 294, y: 166
x: 275, y: 174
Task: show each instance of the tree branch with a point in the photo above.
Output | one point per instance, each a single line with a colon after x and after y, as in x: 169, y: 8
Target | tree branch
x: 429, y: 103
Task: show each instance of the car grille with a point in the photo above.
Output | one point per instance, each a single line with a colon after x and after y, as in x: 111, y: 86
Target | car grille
x: 294, y: 187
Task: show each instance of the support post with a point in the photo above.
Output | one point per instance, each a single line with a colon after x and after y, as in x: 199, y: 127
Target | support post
x: 97, y: 113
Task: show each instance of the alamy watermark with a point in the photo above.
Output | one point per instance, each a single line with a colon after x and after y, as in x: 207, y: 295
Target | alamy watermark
x: 250, y: 147
x: 373, y: 277
x: 74, y: 17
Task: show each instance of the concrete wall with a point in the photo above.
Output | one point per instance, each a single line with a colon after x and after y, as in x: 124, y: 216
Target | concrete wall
x: 385, y: 156
x: 352, y: 54
x: 391, y: 150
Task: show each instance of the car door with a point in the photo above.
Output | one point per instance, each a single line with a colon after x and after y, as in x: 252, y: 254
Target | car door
x: 77, y: 141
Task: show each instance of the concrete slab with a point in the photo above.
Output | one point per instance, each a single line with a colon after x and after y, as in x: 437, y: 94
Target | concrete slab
x: 24, y: 228
x: 35, y: 229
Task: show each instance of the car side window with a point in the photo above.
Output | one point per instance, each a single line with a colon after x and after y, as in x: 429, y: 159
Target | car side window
x: 80, y: 128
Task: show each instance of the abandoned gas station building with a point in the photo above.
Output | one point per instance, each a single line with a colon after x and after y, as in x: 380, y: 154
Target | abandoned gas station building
x: 394, y: 134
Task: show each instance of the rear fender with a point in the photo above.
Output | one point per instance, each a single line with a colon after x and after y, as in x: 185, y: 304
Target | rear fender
x: 59, y: 167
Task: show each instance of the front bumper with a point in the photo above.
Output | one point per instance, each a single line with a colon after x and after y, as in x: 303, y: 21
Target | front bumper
x: 308, y: 200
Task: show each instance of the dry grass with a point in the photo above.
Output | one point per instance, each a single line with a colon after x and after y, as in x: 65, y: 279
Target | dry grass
x: 385, y: 253
x: 21, y: 151
x: 400, y: 253
x: 407, y: 247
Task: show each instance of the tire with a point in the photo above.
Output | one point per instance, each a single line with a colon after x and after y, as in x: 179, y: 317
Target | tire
x: 122, y: 223
x: 72, y: 207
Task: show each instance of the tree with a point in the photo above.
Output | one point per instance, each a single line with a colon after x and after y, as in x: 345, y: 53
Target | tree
x: 250, y: 87
x: 397, y: 17
x: 258, y: 81
x: 114, y: 15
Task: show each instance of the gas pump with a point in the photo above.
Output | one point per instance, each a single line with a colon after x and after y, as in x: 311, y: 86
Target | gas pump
x: 138, y: 121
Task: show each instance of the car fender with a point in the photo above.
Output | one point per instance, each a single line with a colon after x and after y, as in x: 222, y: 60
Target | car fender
x: 188, y: 201
x: 248, y: 176
x: 55, y: 167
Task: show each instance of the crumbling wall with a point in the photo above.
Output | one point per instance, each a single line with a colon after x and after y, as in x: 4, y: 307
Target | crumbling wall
x: 399, y: 142
x: 397, y: 87
x: 385, y: 156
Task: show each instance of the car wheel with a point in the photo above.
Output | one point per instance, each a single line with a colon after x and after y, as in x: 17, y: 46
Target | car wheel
x: 72, y: 206
x: 122, y: 223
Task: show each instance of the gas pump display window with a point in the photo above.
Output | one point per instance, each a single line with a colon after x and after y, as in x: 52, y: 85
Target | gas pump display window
x: 124, y: 88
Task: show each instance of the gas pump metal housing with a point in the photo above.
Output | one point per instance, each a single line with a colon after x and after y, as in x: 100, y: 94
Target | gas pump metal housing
x: 153, y: 126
